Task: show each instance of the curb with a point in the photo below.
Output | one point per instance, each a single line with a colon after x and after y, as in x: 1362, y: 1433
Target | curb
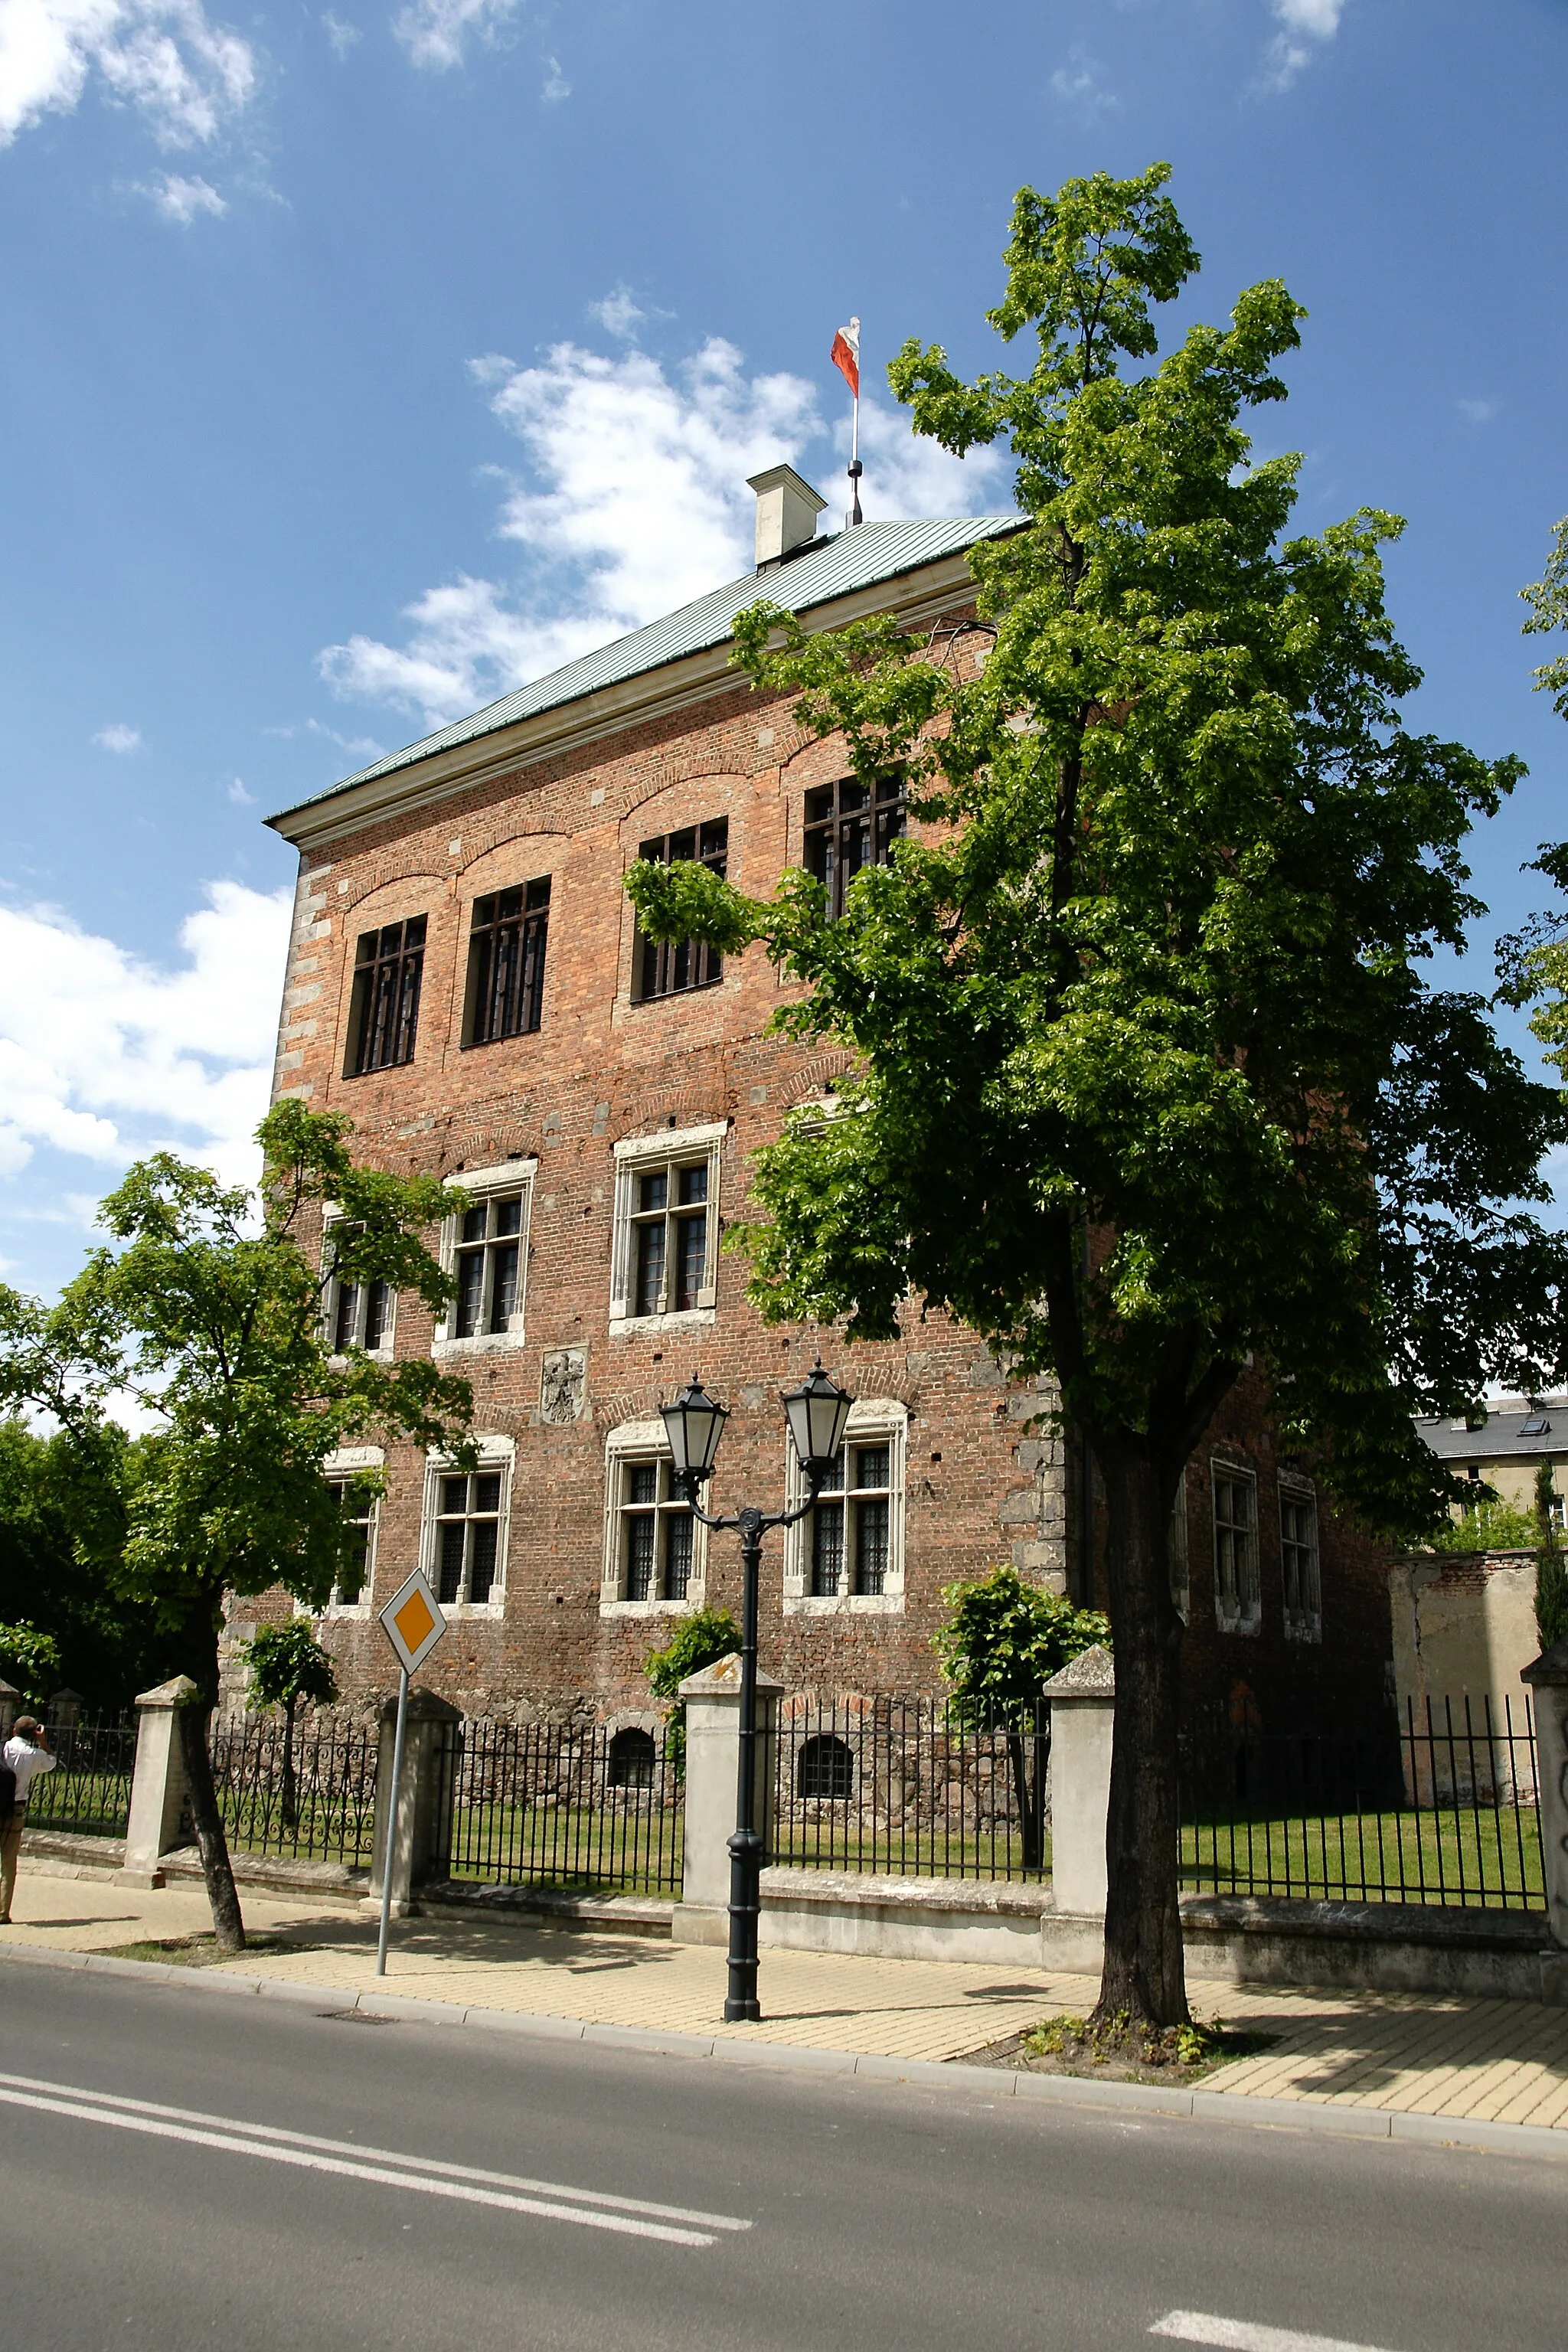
x: 1404, y: 2124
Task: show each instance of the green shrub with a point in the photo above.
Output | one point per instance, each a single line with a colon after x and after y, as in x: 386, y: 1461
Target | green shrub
x: 699, y: 1640
x: 1004, y: 1638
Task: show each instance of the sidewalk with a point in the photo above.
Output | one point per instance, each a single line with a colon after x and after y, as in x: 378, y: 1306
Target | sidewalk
x: 1471, y: 2060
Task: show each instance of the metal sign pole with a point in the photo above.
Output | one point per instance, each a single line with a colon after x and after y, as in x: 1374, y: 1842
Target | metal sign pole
x: 392, y: 1821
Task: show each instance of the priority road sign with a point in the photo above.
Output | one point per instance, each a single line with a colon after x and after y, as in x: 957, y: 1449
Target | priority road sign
x: 413, y: 1623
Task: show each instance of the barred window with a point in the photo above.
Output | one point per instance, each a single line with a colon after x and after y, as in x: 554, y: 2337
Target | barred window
x: 488, y: 1262
x: 669, y: 1238
x: 356, y: 1553
x: 825, y: 1768
x: 468, y: 1534
x: 688, y: 963
x: 851, y: 1524
x: 1238, y: 1606
x: 506, y: 963
x: 383, y: 1013
x: 655, y: 1534
x: 632, y: 1759
x: 1298, y: 1563
x: 850, y: 824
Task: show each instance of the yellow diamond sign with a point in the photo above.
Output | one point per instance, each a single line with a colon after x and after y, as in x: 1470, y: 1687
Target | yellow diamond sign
x: 413, y: 1622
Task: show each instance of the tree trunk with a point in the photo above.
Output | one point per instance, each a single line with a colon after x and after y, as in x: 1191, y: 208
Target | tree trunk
x: 1024, y: 1749
x: 1145, y: 1978
x: 201, y: 1663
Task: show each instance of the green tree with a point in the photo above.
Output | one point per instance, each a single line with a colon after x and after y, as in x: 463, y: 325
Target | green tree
x: 1003, y: 1640
x: 287, y: 1664
x: 207, y: 1311
x: 699, y: 1640
x: 1155, y: 968
x: 31, y: 1659
x: 1550, y: 1569
x: 62, y: 1532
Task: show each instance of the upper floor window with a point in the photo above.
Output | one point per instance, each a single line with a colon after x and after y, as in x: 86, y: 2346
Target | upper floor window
x: 666, y: 1225
x: 354, y: 1314
x: 654, y: 1547
x: 485, y: 1249
x: 850, y: 824
x: 690, y: 963
x: 358, y: 1514
x: 464, y: 1536
x: 1238, y: 1604
x: 383, y: 1013
x: 1176, y: 1552
x: 849, y: 1550
x: 1298, y: 1561
x: 506, y: 963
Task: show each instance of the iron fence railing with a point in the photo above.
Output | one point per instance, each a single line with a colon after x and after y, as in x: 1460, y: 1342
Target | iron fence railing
x: 568, y: 1806
x: 88, y: 1791
x: 912, y: 1787
x: 309, y: 1796
x: 1436, y: 1807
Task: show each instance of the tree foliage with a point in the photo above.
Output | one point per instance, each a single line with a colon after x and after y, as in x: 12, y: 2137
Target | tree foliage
x: 206, y: 1308
x: 62, y: 1530
x: 286, y: 1663
x: 1154, y: 966
x: 30, y: 1660
x: 1004, y: 1638
x: 697, y: 1641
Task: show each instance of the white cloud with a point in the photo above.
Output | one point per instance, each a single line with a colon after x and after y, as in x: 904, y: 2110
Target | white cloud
x: 555, y: 85
x: 180, y: 200
x: 105, y: 1056
x: 1479, y: 412
x: 342, y: 36
x: 637, y: 503
x: 620, y: 314
x: 1077, y: 82
x: 189, y: 78
x: 436, y: 32
x: 119, y: 738
x: 240, y: 796
x: 1304, y: 21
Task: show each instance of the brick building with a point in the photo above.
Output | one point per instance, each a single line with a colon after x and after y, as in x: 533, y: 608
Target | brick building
x: 467, y: 981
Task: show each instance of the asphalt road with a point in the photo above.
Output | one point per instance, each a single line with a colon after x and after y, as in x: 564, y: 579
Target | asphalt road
x: 185, y: 2169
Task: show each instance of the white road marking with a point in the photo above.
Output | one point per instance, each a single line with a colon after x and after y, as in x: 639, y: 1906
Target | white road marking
x: 1243, y: 2336
x: 391, y: 2172
x: 357, y: 2149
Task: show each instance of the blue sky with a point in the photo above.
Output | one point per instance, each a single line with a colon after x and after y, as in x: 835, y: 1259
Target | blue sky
x: 357, y: 363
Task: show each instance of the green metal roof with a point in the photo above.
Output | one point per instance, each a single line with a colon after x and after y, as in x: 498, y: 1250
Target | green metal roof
x: 836, y: 566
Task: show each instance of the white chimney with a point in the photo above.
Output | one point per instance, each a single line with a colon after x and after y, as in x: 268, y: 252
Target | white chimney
x: 787, y: 509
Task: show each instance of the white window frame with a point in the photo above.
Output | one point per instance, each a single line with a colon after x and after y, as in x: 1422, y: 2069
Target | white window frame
x: 487, y: 1184
x: 331, y: 1293
x: 873, y: 1420
x: 343, y: 1463
x: 1305, y: 1625
x: 1247, y: 1616
x: 495, y: 1453
x: 1179, y: 1552
x: 632, y: 1441
x: 638, y: 1156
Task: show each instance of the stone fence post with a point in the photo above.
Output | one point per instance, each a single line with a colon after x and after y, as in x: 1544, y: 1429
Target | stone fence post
x: 1548, y: 1680
x: 712, y: 1774
x: 10, y: 1708
x: 1083, y: 1702
x: 421, y: 1817
x: 157, y: 1780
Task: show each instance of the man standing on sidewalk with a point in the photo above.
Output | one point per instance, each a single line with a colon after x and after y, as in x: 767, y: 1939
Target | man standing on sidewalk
x: 25, y: 1754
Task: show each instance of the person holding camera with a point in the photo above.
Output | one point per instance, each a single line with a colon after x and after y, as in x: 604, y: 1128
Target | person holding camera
x: 25, y: 1754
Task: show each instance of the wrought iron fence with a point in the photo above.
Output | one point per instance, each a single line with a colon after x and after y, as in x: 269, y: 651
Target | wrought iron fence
x: 88, y: 1791
x: 310, y: 1796
x: 1435, y: 1808
x: 568, y: 1806
x: 912, y: 1787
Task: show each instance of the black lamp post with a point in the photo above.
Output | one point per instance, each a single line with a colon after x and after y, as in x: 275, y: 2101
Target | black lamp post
x: 817, y: 1413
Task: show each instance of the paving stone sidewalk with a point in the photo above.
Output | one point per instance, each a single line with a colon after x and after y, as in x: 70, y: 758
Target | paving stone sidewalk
x: 1493, y: 2061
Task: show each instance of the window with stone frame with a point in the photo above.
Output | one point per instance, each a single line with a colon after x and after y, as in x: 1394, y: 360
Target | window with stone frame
x: 654, y: 1547
x: 670, y: 969
x: 850, y: 824
x: 360, y: 1513
x: 1238, y: 1603
x: 1176, y: 1552
x: 384, y: 1007
x: 353, y: 1314
x: 1298, y: 1567
x: 848, y: 1553
x: 665, y: 1228
x: 463, y: 1546
x: 485, y: 1250
x: 508, y: 934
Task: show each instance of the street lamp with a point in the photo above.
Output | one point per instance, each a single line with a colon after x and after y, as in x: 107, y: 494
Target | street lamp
x: 817, y: 1413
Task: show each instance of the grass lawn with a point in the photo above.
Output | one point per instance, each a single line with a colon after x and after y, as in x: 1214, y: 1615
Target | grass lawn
x: 573, y: 1849
x: 1465, y: 1855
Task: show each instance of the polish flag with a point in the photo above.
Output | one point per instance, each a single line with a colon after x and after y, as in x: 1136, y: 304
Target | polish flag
x: 846, y: 355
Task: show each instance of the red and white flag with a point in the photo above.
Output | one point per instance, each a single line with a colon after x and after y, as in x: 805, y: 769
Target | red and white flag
x: 846, y: 355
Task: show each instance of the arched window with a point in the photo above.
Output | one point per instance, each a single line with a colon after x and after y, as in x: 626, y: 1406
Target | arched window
x: 632, y: 1757
x: 826, y: 1768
